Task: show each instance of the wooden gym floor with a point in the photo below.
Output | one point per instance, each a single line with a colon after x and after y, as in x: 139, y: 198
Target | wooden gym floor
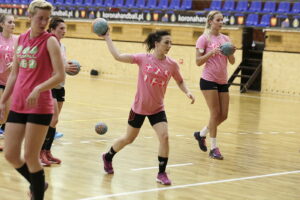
x: 260, y: 143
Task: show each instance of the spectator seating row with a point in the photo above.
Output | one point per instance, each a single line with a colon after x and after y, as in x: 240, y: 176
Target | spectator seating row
x: 260, y: 6
x: 124, y: 5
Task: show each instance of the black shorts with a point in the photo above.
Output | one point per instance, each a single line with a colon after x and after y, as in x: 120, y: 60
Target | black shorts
x: 23, y: 118
x: 59, y: 94
x: 2, y: 87
x: 209, y: 85
x: 137, y: 120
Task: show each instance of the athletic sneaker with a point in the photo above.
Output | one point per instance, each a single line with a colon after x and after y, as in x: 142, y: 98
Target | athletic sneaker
x: 162, y: 178
x: 1, y: 131
x: 58, y: 135
x: 107, y: 165
x: 216, y: 154
x: 44, y: 160
x: 201, y: 141
x: 51, y: 158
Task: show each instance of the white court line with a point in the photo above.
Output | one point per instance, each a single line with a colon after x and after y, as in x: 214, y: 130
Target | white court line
x: 189, y: 185
x: 66, y: 143
x: 85, y: 142
x: 175, y: 165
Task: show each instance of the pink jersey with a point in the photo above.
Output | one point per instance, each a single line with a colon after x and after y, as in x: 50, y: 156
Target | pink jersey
x: 6, y: 56
x: 153, y: 78
x: 215, y: 68
x: 35, y: 67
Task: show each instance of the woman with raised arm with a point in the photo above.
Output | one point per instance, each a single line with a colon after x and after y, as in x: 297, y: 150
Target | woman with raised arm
x: 155, y: 71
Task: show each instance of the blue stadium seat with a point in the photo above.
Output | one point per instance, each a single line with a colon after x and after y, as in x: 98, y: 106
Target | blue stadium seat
x: 99, y: 3
x: 284, y: 7
x: 265, y: 20
x: 79, y: 3
x: 57, y: 2
x: 70, y: 4
x: 108, y: 3
x: 128, y: 4
x: 151, y: 4
x: 242, y: 6
x: 119, y: 4
x: 295, y: 8
x: 270, y: 6
x: 18, y: 2
x: 90, y: 5
x: 24, y: 2
x: 255, y: 6
x: 215, y: 5
x: 252, y: 20
x: 186, y: 5
x: 174, y: 5
x: 140, y: 4
x: 228, y: 6
x: 60, y: 4
x: 163, y: 4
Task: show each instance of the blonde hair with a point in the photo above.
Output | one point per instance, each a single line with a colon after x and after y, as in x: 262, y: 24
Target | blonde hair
x: 41, y: 4
x: 210, y: 17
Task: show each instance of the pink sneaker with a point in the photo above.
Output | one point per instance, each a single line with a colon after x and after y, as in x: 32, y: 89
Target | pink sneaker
x: 162, y: 178
x: 107, y: 165
x: 44, y: 160
x: 51, y: 158
x: 216, y: 154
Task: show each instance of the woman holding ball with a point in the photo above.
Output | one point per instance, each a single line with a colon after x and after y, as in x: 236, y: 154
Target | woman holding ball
x: 57, y: 27
x: 213, y: 83
x: 155, y: 71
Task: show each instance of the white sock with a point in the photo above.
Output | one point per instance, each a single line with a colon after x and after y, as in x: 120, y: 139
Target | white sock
x: 204, y: 131
x: 213, y: 143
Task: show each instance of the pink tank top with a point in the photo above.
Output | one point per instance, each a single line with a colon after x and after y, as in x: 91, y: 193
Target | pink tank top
x: 35, y: 67
x: 6, y: 56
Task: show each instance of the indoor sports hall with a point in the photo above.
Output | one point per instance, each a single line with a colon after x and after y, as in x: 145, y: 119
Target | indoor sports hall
x: 260, y: 139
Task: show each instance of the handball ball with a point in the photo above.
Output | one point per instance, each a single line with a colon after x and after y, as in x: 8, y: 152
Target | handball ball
x: 76, y: 63
x: 101, y: 128
x: 227, y: 49
x: 100, y: 26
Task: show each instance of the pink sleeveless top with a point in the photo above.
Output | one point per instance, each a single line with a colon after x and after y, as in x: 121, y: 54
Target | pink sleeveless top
x: 35, y: 67
x: 6, y: 56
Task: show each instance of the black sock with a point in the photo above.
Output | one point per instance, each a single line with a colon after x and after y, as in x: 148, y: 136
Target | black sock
x: 162, y: 164
x: 49, y: 139
x: 38, y: 185
x: 110, y: 154
x: 3, y: 127
x: 24, y: 172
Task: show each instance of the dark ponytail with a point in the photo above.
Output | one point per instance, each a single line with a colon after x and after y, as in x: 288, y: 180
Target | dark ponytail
x: 54, y: 22
x: 154, y: 37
